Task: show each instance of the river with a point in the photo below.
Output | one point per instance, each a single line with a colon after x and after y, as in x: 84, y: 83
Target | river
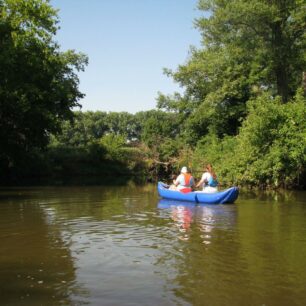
x: 122, y: 245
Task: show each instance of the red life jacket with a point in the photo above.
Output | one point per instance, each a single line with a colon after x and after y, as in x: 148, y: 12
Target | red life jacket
x: 187, y: 178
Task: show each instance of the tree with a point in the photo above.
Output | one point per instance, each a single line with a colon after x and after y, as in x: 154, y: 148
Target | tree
x: 85, y: 128
x: 38, y: 82
x: 159, y: 126
x: 122, y: 123
x: 248, y: 47
x: 272, y: 32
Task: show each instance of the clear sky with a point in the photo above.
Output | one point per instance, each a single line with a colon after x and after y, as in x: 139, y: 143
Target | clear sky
x: 128, y: 43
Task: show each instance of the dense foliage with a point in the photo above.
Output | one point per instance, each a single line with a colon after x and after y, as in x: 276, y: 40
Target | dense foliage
x: 269, y: 149
x: 38, y: 82
x: 242, y: 109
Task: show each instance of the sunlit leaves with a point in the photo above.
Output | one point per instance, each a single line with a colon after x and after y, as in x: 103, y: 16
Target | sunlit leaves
x: 38, y: 82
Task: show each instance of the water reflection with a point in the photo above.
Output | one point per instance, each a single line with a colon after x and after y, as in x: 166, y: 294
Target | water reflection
x: 35, y: 260
x: 181, y: 212
x: 190, y: 217
x: 212, y: 232
x: 206, y: 222
x: 119, y: 245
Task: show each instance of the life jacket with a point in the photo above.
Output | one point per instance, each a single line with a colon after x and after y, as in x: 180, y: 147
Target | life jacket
x: 187, y: 178
x: 212, y: 182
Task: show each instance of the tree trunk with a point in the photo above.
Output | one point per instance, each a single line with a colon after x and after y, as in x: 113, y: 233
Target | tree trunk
x: 280, y: 61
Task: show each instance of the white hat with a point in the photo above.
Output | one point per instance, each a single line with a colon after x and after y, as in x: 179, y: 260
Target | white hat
x: 184, y: 170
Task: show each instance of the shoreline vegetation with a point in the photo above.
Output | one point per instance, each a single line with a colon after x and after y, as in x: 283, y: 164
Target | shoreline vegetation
x: 243, y: 108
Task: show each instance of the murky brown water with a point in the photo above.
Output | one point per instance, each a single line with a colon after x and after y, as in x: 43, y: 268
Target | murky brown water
x: 124, y: 246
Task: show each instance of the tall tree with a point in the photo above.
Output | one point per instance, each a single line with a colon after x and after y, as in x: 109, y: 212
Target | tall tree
x: 247, y: 47
x: 271, y: 31
x: 38, y: 82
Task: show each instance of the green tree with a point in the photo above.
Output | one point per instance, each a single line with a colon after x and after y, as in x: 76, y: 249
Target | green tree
x: 159, y: 125
x: 270, y: 32
x: 248, y: 47
x: 38, y: 82
x: 270, y: 149
x: 271, y: 145
x: 85, y: 128
x: 122, y: 123
x: 113, y: 144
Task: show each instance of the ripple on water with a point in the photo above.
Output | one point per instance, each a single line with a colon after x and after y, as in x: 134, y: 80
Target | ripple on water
x: 96, y: 244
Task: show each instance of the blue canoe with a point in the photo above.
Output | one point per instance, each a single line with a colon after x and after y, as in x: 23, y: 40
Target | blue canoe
x: 226, y: 196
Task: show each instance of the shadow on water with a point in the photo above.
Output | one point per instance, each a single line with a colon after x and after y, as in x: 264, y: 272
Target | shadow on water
x: 36, y: 261
x: 279, y: 195
x: 234, y: 254
x: 113, y: 245
x: 77, y: 180
x: 26, y: 190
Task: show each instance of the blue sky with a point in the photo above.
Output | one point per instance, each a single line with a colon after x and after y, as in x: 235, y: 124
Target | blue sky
x: 128, y: 43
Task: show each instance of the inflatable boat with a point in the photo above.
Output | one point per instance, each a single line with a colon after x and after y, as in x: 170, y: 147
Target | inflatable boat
x: 225, y: 196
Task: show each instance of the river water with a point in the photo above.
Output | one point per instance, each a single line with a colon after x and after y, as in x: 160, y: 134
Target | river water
x: 122, y: 245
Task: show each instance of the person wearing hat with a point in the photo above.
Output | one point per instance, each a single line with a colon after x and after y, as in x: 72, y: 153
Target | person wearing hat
x: 184, y: 182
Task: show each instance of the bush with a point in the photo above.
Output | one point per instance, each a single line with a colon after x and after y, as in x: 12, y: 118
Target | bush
x: 270, y: 149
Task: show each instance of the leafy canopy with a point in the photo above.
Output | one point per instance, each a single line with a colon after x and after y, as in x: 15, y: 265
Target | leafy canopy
x: 38, y: 82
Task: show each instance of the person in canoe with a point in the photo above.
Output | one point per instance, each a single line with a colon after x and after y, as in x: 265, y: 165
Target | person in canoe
x: 209, y: 180
x: 184, y: 182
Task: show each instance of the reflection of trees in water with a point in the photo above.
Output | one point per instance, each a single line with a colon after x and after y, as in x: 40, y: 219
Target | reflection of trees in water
x: 100, y: 202
x: 272, y: 236
x: 270, y: 195
x: 36, y: 264
x: 233, y: 258
x: 47, y: 223
x: 207, y: 262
